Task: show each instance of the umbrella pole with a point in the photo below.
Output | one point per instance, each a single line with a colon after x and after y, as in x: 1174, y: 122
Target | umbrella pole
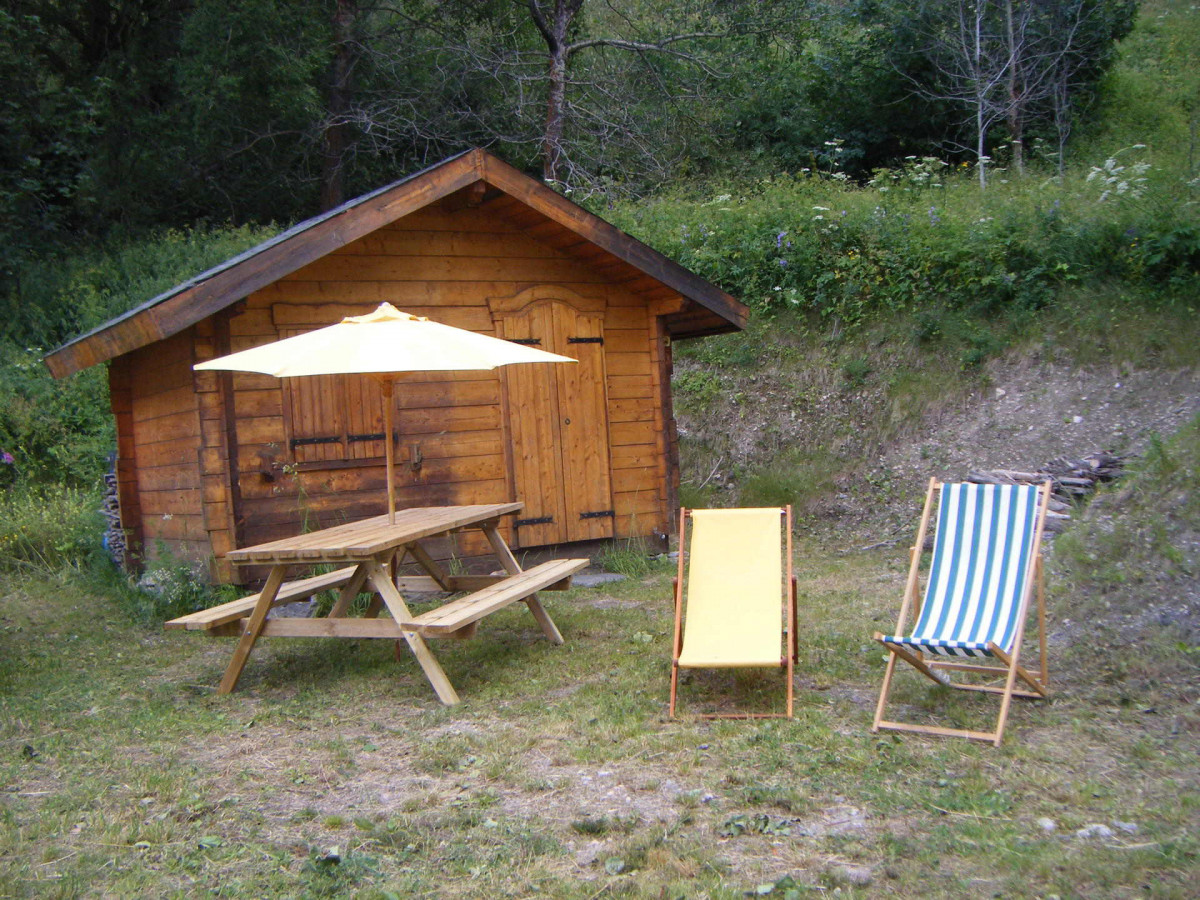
x: 388, y: 442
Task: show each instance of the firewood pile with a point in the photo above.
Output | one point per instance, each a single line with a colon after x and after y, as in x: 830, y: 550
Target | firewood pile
x: 1073, y: 479
x: 110, y: 508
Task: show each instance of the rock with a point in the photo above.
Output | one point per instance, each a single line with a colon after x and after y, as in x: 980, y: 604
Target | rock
x: 301, y: 609
x: 1049, y: 826
x: 1127, y: 827
x: 595, y: 579
x: 1095, y: 830
x: 854, y: 876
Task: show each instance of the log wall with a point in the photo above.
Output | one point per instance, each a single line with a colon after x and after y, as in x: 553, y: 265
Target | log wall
x: 159, y: 428
x: 445, y: 264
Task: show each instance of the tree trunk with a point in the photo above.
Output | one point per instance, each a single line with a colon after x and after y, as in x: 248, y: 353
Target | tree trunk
x: 552, y: 136
x: 334, y: 138
x: 554, y: 32
x: 1016, y: 100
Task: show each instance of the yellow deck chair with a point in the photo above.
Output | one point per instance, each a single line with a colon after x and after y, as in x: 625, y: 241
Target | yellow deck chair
x: 737, y: 596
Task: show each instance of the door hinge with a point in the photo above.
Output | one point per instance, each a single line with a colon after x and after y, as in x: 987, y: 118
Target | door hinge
x: 585, y: 340
x: 544, y: 520
x: 600, y: 514
x: 306, y: 442
x: 527, y: 341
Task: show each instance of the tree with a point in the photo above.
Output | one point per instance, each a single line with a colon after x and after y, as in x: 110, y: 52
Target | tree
x: 590, y: 91
x: 1016, y: 61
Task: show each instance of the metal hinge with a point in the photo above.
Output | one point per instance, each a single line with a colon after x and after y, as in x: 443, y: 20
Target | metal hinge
x: 601, y: 514
x: 527, y: 341
x: 544, y: 520
x: 585, y: 340
x: 306, y: 442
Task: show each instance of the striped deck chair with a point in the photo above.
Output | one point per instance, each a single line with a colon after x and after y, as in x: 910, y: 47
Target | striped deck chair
x: 985, y: 566
x: 738, y: 596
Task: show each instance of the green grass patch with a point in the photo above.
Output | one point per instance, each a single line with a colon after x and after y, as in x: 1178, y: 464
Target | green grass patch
x: 333, y: 771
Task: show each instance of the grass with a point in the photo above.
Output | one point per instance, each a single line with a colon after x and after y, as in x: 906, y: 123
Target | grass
x: 334, y: 772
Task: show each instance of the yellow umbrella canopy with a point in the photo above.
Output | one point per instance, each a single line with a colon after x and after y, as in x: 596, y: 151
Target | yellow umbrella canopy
x: 384, y: 343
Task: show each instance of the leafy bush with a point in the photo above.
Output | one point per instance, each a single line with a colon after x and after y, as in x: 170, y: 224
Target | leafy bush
x: 172, y: 587
x: 61, y: 431
x: 54, y: 431
x: 56, y: 299
x: 925, y: 236
x: 48, y: 530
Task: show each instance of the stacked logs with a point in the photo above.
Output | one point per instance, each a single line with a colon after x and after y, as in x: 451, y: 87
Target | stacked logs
x: 114, y: 534
x: 1072, y: 479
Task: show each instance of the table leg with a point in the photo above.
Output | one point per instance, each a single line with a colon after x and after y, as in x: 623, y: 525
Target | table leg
x: 378, y: 578
x: 429, y: 564
x: 253, y: 629
x: 512, y: 567
x: 349, y: 591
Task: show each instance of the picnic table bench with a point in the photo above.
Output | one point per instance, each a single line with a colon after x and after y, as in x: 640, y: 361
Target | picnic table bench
x: 372, y: 546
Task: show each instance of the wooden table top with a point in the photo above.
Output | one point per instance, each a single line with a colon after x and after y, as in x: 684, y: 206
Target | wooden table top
x: 357, y: 541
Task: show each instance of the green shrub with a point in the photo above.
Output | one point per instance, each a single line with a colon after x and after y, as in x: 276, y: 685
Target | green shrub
x: 55, y: 431
x: 58, y: 298
x: 172, y: 587
x: 904, y: 244
x: 49, y: 530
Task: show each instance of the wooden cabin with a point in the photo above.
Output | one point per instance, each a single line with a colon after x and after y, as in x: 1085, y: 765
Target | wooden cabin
x: 211, y: 461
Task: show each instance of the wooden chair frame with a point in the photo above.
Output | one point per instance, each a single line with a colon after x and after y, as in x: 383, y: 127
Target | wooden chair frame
x: 1009, y: 668
x: 786, y: 662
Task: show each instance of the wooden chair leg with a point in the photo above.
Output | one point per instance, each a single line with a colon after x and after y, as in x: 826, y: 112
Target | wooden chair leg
x: 884, y: 691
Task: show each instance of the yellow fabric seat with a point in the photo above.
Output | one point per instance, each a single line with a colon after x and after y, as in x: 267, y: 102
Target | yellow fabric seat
x: 739, y: 606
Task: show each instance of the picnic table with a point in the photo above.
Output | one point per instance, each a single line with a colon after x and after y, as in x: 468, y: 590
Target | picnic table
x: 371, y: 548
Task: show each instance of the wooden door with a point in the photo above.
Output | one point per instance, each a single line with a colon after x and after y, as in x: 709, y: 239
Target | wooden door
x: 558, y: 419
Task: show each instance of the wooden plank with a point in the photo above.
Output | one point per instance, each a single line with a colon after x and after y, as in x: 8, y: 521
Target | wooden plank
x: 437, y: 269
x: 304, y: 305
x: 259, y: 403
x: 628, y: 364
x: 260, y: 430
x: 423, y: 584
x: 454, y: 615
x: 630, y: 456
x: 473, y: 244
x: 182, y: 424
x: 182, y: 476
x: 532, y: 416
x: 630, y: 387
x: 584, y: 434
x: 230, y: 612
x: 453, y: 419
x: 171, y: 503
x: 437, y: 217
x: 174, y: 527
x: 174, y: 400
x: 369, y: 538
x: 630, y: 409
x: 623, y: 433
x: 341, y: 627
x: 640, y: 503
x: 626, y: 340
x: 632, y: 481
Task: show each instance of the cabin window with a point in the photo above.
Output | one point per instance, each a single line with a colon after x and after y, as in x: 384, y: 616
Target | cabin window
x: 333, y: 420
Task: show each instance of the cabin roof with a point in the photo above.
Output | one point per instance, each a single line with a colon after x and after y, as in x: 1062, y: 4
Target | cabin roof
x: 484, y: 180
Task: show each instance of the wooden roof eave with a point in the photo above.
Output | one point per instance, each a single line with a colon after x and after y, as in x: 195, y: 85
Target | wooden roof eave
x: 223, y: 285
x: 610, y: 238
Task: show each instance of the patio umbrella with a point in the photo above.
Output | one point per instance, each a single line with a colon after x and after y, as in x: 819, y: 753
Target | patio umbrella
x: 384, y: 344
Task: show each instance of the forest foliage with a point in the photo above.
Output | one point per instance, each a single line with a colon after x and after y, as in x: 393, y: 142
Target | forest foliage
x: 820, y: 156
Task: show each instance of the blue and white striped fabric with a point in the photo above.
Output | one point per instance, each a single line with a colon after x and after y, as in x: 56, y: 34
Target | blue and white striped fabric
x: 981, y: 558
